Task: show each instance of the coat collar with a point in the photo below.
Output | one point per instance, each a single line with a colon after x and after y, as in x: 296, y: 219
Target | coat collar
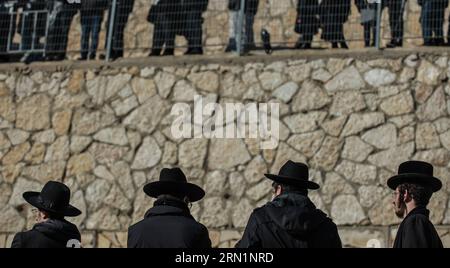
x: 420, y: 210
x: 168, y: 206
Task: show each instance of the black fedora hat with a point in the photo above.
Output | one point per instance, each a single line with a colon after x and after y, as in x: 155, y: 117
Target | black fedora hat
x: 294, y: 174
x: 173, y: 181
x: 53, y: 198
x: 416, y: 172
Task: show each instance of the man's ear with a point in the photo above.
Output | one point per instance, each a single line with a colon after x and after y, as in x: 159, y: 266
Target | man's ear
x: 406, y: 196
x: 45, y: 215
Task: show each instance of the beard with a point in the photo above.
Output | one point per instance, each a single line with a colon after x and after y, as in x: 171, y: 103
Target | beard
x: 400, y: 209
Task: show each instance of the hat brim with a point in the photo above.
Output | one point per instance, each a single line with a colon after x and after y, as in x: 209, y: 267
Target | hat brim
x: 157, y: 188
x: 306, y: 184
x: 33, y: 197
x: 434, y: 183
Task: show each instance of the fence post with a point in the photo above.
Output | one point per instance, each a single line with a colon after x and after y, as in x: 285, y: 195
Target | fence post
x: 112, y: 20
x: 239, y: 34
x: 378, y: 32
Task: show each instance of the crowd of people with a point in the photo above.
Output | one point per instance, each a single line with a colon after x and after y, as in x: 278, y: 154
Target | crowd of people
x: 52, y: 19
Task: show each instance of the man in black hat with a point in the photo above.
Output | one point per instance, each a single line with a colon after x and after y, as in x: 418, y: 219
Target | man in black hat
x: 51, y: 229
x: 413, y: 188
x: 290, y: 220
x: 169, y: 224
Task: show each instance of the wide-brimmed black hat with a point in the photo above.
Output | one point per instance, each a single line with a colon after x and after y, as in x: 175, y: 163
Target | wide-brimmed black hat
x: 416, y: 172
x: 174, y: 182
x: 294, y: 174
x: 53, y: 198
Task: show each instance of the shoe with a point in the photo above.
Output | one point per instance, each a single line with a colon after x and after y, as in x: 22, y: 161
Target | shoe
x: 168, y: 52
x: 334, y: 45
x: 92, y: 56
x: 394, y: 44
x: 344, y: 45
x: 194, y: 51
x: 83, y: 57
x: 155, y: 52
x: 231, y: 47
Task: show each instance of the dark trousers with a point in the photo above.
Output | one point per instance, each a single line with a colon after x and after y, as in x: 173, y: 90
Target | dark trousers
x: 432, y: 20
x: 370, y: 33
x: 164, y: 33
x: 122, y: 14
x: 396, y: 10
x: 193, y: 29
x: 90, y: 30
x: 58, y: 31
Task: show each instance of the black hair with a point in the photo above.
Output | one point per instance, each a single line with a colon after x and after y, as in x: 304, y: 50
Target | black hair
x: 290, y: 189
x: 420, y: 194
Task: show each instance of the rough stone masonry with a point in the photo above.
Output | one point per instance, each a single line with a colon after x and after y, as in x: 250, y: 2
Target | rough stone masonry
x: 108, y: 128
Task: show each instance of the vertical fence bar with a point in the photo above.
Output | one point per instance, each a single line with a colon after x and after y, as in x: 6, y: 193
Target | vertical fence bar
x: 239, y: 34
x: 378, y: 32
x: 112, y: 20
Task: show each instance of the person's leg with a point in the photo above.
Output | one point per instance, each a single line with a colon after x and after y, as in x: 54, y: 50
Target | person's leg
x: 438, y: 27
x: 194, y: 37
x: 96, y: 27
x: 233, y: 28
x: 249, y: 33
x: 426, y: 23
x: 158, y: 36
x: 85, y: 33
x: 170, y: 29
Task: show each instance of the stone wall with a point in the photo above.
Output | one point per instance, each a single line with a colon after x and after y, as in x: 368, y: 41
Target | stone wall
x: 107, y: 128
x: 278, y: 16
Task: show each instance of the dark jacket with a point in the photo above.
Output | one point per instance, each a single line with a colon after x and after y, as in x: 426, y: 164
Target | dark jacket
x: 416, y: 231
x: 94, y: 7
x: 334, y: 11
x: 199, y: 6
x: 307, y: 21
x: 290, y: 221
x: 168, y: 224
x: 49, y: 234
x: 251, y: 6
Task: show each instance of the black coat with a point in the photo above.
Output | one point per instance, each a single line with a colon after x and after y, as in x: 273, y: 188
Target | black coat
x: 416, y: 231
x: 251, y: 6
x: 199, y: 6
x: 307, y: 21
x: 168, y: 224
x: 49, y: 234
x: 334, y: 11
x: 94, y: 7
x: 290, y: 221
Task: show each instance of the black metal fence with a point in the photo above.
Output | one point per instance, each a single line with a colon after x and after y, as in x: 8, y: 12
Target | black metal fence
x: 33, y: 30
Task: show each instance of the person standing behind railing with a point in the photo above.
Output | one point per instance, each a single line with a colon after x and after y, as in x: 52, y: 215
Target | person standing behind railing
x: 432, y: 20
x: 307, y: 22
x: 368, y: 9
x: 165, y: 18
x: 251, y: 8
x: 192, y: 11
x: 4, y: 30
x: 396, y: 9
x: 61, y: 14
x: 123, y: 10
x: 91, y: 17
x: 333, y: 15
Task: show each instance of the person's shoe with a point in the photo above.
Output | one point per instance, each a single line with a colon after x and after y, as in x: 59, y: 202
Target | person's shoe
x: 155, y: 52
x: 83, y: 57
x: 194, y: 51
x: 344, y: 45
x: 168, y: 52
x: 395, y: 43
x: 439, y: 42
x: 231, y: 47
x: 92, y: 56
x: 334, y: 45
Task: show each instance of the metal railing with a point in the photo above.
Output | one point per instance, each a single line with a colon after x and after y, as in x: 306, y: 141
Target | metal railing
x: 56, y: 29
